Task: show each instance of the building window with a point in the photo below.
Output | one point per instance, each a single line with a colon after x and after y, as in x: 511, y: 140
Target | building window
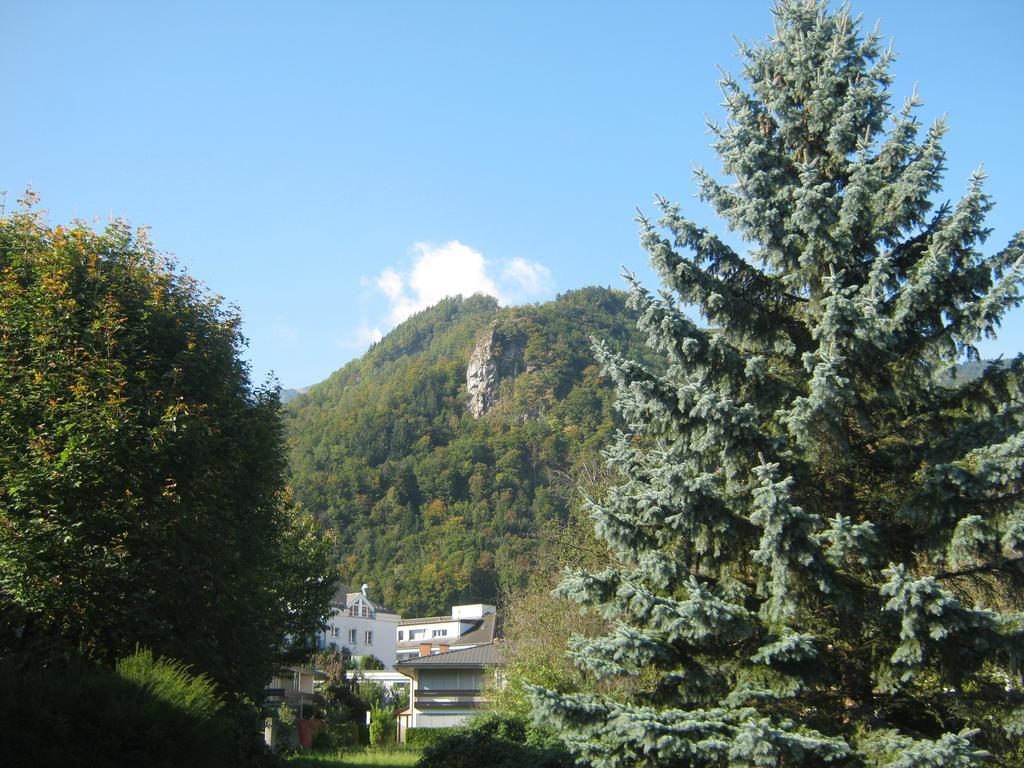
x: 401, y: 635
x: 335, y: 631
x: 369, y: 637
x: 366, y: 612
x: 353, y: 610
x: 352, y: 637
x: 440, y: 632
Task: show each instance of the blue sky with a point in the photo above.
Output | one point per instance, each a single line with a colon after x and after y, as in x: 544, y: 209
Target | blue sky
x: 329, y: 167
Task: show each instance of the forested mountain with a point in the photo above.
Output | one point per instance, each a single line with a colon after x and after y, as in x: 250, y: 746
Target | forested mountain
x: 287, y: 395
x: 431, y: 503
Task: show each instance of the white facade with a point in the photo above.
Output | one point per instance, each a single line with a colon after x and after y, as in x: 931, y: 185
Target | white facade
x: 362, y: 628
x: 471, y: 612
x: 434, y: 633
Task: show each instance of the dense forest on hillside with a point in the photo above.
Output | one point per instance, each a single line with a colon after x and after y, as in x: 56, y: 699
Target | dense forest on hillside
x: 431, y: 505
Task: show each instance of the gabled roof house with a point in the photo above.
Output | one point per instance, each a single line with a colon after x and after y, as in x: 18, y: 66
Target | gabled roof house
x: 447, y: 687
x: 360, y: 626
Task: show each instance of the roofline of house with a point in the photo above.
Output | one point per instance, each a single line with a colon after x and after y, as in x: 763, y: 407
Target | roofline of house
x: 302, y: 670
x: 433, y: 620
x: 411, y: 663
x: 453, y: 644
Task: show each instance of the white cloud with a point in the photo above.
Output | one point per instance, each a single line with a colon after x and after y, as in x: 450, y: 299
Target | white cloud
x: 452, y: 269
x: 437, y: 271
x: 530, y: 278
x: 363, y: 337
x: 390, y: 282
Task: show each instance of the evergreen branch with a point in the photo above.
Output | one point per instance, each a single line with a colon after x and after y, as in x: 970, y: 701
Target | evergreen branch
x: 994, y: 566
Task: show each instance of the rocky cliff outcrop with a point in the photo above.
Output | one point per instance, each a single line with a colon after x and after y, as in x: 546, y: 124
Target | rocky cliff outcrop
x: 498, y: 355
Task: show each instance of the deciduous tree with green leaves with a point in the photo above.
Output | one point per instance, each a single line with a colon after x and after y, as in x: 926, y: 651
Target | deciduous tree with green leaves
x: 141, y: 473
x: 821, y: 522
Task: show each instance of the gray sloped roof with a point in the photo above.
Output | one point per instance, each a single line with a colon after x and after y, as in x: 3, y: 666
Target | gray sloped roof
x: 479, y: 635
x: 487, y: 655
x: 482, y: 631
x: 341, y: 594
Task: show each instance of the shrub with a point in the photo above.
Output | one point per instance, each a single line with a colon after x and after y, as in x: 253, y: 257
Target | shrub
x: 424, y: 737
x: 149, y: 711
x: 172, y: 682
x: 287, y: 734
x: 340, y: 735
x: 370, y: 662
x: 381, y: 718
x: 508, y: 742
x: 378, y: 731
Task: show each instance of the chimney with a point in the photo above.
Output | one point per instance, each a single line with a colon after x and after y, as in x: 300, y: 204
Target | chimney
x: 364, y: 589
x: 424, y: 649
x: 442, y: 648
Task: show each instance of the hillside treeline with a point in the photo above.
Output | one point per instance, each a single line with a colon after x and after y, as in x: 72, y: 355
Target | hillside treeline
x: 432, y: 506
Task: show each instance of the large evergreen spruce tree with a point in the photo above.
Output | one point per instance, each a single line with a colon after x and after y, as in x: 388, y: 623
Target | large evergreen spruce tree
x: 816, y: 543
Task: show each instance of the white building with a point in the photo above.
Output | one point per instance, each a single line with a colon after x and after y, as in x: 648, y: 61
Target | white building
x: 361, y: 627
x: 467, y: 627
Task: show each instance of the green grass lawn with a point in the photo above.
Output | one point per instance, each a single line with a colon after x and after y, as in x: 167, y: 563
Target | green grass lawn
x: 362, y: 758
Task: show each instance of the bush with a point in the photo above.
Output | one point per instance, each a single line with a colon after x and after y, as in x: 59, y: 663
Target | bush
x: 172, y: 682
x: 340, y: 735
x: 378, y: 732
x: 370, y: 662
x: 149, y: 711
x: 380, y: 720
x: 287, y: 725
x: 424, y: 737
x: 507, y: 742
